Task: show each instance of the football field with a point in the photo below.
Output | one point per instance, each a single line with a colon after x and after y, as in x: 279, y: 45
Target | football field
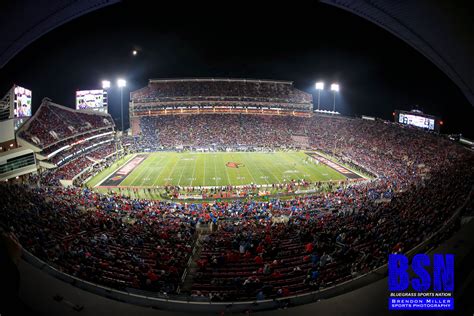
x: 217, y: 169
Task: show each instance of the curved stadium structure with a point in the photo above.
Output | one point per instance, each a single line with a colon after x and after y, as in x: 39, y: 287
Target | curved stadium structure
x: 308, y: 234
x: 228, y: 95
x: 68, y: 144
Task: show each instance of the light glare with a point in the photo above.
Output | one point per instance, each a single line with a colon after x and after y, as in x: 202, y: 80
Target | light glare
x: 320, y: 85
x: 105, y: 84
x: 121, y: 83
x: 335, y: 87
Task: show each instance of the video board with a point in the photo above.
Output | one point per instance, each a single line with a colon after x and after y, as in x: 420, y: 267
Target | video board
x: 417, y: 120
x: 21, y: 102
x: 91, y: 99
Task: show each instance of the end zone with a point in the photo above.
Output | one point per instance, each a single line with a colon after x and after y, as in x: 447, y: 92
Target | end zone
x: 342, y: 170
x: 120, y: 174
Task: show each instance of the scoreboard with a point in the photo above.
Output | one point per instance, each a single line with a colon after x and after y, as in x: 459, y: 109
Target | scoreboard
x: 95, y: 100
x: 21, y: 102
x: 418, y: 119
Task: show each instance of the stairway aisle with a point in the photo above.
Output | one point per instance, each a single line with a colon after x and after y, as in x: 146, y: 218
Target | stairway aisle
x: 192, y: 267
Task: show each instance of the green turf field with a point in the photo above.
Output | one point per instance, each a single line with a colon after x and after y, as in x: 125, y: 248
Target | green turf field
x: 222, y: 168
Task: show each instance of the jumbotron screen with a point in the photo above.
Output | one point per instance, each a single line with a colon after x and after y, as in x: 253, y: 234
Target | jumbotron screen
x: 417, y: 120
x: 91, y: 99
x: 21, y: 102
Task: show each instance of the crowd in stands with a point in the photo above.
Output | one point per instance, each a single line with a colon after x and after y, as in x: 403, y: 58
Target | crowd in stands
x: 79, y: 139
x: 250, y: 190
x: 221, y: 89
x: 107, y: 240
x: 255, y: 256
x: 79, y: 149
x: 220, y: 130
x: 53, y: 123
x: 72, y: 140
x: 75, y: 166
x: 256, y: 250
x: 81, y: 163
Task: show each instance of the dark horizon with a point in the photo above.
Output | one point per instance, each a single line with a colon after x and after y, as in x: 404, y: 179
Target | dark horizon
x: 378, y: 73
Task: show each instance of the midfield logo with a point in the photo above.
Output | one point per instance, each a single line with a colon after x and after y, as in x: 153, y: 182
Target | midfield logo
x: 234, y: 164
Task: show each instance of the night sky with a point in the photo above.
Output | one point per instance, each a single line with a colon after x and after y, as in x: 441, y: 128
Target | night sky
x: 304, y: 43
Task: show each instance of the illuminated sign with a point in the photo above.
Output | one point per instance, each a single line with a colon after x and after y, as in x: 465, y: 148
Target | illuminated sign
x: 21, y: 102
x: 91, y: 99
x: 417, y: 120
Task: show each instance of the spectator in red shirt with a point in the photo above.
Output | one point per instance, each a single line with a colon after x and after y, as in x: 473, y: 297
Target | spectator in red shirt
x: 152, y: 276
x: 258, y: 260
x: 276, y: 275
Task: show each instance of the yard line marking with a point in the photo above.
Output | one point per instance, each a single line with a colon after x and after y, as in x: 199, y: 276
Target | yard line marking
x: 162, y: 157
x: 204, y: 174
x: 172, y: 169
x: 263, y: 173
x: 225, y: 170
x: 194, y: 171
x: 139, y: 173
x: 291, y: 159
x: 182, y: 171
x: 311, y: 166
x: 273, y: 174
x: 250, y: 172
x: 239, y: 177
x: 215, y: 170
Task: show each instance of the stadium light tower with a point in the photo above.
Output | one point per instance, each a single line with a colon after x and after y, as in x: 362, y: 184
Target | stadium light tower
x: 319, y: 87
x: 105, y: 84
x: 334, y: 89
x: 121, y: 83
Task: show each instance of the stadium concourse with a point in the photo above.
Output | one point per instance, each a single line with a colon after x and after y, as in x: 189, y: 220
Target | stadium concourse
x: 231, y: 250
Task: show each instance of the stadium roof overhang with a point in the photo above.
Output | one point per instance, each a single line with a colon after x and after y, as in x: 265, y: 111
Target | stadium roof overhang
x: 441, y: 30
x: 24, y: 21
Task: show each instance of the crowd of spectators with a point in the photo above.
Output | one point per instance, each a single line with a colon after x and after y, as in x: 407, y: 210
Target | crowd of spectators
x: 76, y: 140
x: 258, y: 250
x: 219, y: 130
x: 53, y: 123
x: 80, y: 164
x: 69, y: 170
x: 221, y: 89
x: 79, y: 149
x: 112, y: 241
x: 254, y: 256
